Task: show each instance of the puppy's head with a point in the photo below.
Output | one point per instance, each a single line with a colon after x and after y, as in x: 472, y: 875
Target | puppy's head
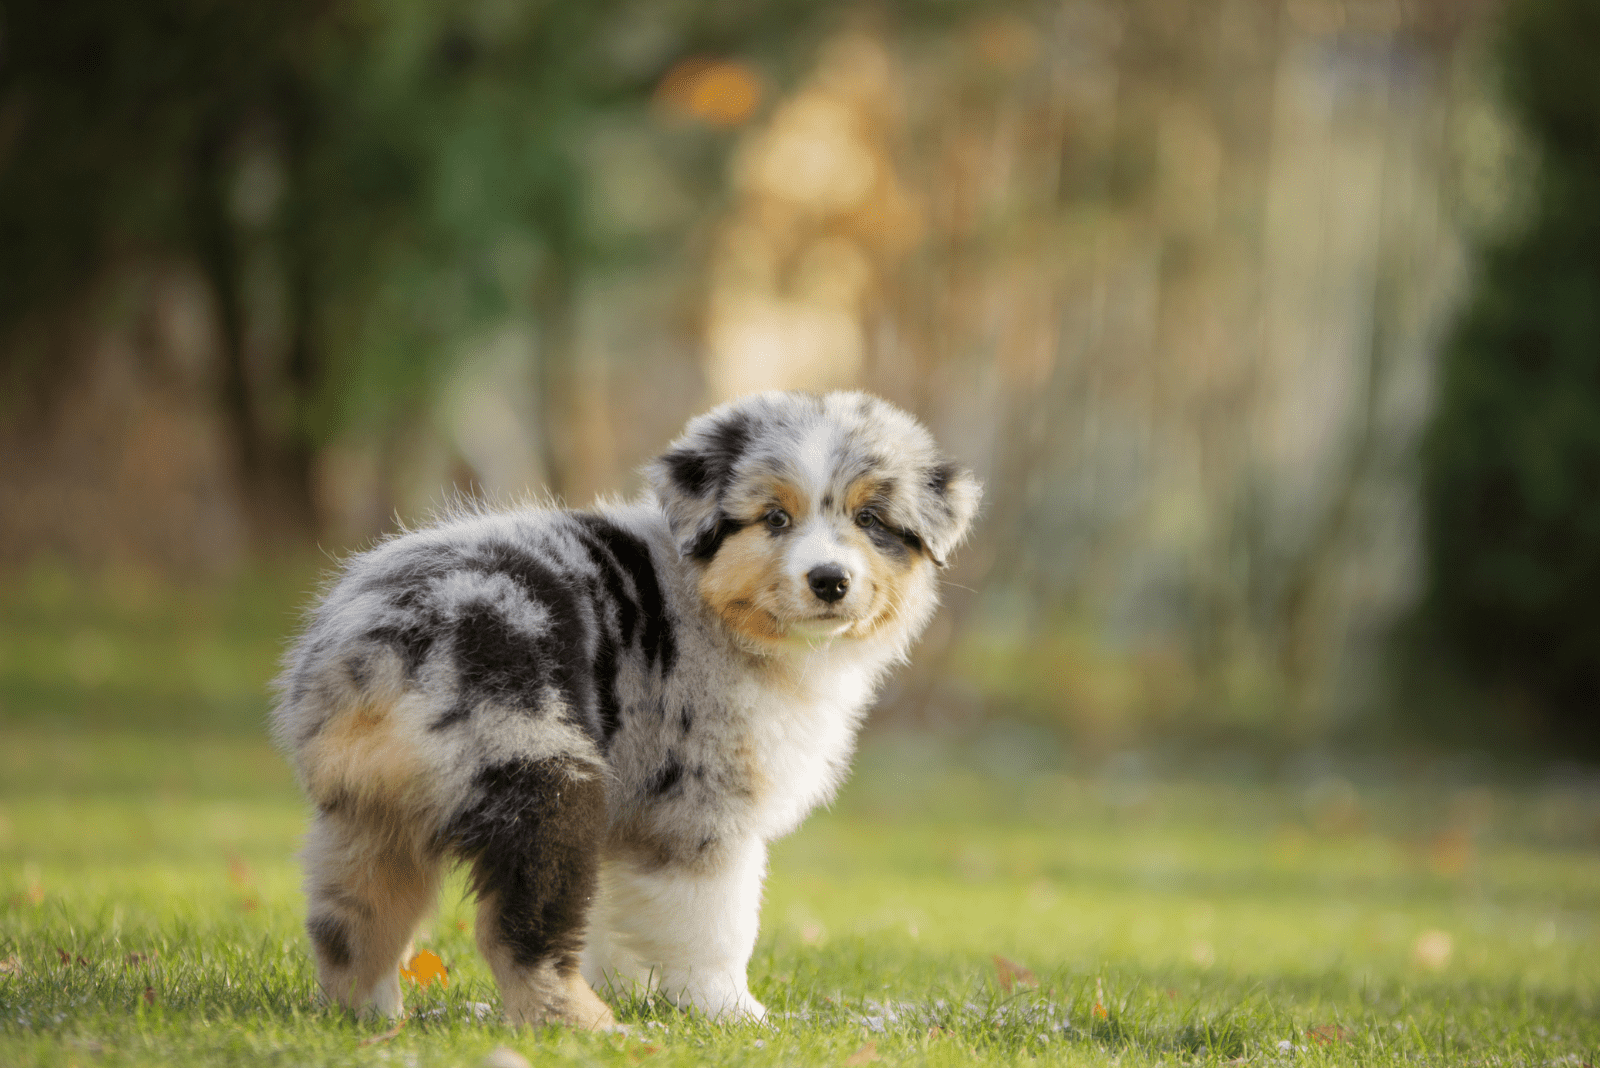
x: 813, y: 517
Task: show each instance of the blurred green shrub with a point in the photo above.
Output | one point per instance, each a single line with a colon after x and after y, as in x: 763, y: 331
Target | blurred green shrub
x: 1512, y: 462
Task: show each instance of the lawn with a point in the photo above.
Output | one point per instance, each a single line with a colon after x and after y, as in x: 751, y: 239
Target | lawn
x: 1315, y: 911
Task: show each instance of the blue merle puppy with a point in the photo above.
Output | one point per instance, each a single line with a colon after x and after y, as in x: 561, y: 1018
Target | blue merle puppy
x: 608, y: 714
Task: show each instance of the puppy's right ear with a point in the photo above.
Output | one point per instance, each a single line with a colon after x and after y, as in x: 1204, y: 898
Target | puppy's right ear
x: 692, y: 476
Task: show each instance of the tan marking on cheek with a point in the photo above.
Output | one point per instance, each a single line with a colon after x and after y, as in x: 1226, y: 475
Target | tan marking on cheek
x: 893, y: 588
x: 737, y: 583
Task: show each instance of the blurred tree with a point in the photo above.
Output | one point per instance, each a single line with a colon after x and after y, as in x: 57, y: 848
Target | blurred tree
x: 1512, y: 464
x: 361, y: 184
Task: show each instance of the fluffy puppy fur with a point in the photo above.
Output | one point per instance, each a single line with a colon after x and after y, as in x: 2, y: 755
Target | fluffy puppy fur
x: 608, y: 714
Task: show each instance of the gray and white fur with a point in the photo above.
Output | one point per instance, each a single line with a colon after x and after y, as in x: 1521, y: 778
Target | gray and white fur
x: 608, y: 714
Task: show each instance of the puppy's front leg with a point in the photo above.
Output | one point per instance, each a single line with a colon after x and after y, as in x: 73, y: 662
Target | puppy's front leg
x: 688, y: 933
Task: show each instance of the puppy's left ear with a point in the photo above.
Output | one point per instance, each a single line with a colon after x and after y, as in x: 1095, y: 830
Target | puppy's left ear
x: 690, y: 478
x: 947, y: 503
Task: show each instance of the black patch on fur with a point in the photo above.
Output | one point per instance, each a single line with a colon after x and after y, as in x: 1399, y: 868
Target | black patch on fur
x: 691, y: 471
x: 533, y: 838
x: 685, y: 718
x: 891, y: 542
x: 827, y: 500
x: 632, y: 557
x: 501, y: 662
x: 666, y: 777
x: 360, y: 670
x: 331, y: 938
x: 698, y: 471
x: 412, y: 641
x: 939, y: 477
x: 710, y: 540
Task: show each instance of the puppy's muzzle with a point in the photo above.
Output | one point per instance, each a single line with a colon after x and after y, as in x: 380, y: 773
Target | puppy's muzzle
x: 829, y: 582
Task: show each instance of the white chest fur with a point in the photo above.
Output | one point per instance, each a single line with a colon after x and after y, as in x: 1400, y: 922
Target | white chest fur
x: 801, y: 737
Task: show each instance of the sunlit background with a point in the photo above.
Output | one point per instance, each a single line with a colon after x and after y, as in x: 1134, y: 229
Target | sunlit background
x: 1178, y: 278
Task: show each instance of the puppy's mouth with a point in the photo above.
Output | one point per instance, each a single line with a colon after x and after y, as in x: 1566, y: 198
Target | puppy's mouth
x: 819, y: 628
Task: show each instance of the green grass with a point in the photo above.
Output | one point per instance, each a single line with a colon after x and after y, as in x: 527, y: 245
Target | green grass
x: 150, y: 910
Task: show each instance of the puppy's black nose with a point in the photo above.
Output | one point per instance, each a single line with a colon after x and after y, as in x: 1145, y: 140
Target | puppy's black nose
x: 828, y: 582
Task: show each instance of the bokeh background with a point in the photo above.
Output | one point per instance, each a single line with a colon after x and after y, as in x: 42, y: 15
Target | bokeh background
x: 1272, y: 326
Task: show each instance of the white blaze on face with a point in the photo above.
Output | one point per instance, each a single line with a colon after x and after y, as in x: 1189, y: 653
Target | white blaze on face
x: 816, y: 541
x: 816, y: 544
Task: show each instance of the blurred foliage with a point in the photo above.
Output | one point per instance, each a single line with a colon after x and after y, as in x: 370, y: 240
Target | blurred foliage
x: 1512, y: 463
x: 381, y: 177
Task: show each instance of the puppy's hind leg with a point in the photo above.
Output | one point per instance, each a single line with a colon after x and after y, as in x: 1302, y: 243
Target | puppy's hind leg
x: 533, y: 837
x: 366, y: 893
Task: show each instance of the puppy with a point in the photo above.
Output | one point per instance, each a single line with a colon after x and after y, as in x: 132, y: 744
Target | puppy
x: 608, y: 714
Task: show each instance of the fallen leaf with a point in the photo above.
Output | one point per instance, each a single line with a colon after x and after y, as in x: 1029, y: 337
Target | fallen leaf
x: 149, y: 995
x: 867, y: 1053
x: 239, y: 873
x: 1328, y: 1034
x: 141, y: 957
x: 424, y: 968
x: 1011, y: 974
x: 12, y: 965
x: 66, y: 958
x: 935, y: 1032
x: 1099, y: 1012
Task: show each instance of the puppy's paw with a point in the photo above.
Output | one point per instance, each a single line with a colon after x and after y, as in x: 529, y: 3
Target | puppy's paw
x: 584, y: 1009
x: 569, y: 1001
x: 745, y: 1008
x: 725, y: 1004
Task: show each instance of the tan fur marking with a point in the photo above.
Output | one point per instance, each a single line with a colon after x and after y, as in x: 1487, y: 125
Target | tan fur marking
x: 891, y: 586
x: 363, y: 752
x: 377, y: 889
x: 790, y: 499
x: 539, y: 994
x: 859, y: 492
x: 736, y: 583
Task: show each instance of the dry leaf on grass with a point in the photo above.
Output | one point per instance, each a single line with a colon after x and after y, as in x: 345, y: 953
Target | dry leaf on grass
x: 66, y: 958
x: 867, y: 1053
x: 1011, y: 974
x: 239, y: 873
x: 1328, y: 1034
x: 1099, y: 1011
x: 149, y: 995
x: 424, y: 968
x: 33, y: 895
x: 133, y: 960
x: 12, y: 965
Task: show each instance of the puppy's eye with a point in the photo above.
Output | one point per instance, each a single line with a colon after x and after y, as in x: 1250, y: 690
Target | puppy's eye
x: 777, y: 519
x: 866, y: 519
